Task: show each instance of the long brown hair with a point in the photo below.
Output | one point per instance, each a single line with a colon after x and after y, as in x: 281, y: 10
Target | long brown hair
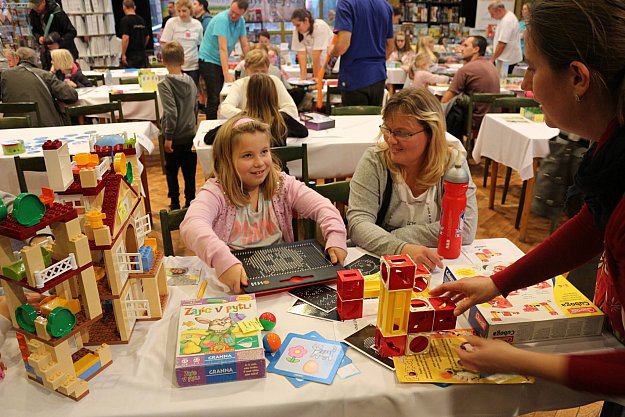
x: 421, y: 105
x: 589, y: 31
x: 226, y: 142
x: 262, y: 104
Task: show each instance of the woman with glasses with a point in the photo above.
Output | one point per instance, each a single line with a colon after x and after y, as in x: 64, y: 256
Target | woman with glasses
x: 396, y: 192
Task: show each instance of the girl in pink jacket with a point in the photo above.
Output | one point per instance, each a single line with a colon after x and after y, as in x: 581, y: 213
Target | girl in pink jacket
x: 250, y: 203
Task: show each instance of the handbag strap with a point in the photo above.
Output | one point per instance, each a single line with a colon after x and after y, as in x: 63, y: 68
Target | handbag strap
x: 386, y: 199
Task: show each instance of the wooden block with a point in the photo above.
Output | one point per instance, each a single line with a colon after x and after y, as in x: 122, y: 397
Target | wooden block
x: 150, y: 289
x: 88, y: 178
x: 112, y: 273
x: 6, y: 252
x: 89, y: 293
x: 40, y: 328
x: 88, y: 232
x: 79, y: 246
x: 104, y: 353
x: 81, y: 389
x: 102, y: 236
x: 33, y: 262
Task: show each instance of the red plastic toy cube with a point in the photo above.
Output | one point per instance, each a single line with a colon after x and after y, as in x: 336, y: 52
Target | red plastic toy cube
x: 397, y: 272
x: 421, y: 317
x: 348, y: 309
x: 350, y: 285
x: 421, y: 279
x: 388, y: 346
x: 444, y: 318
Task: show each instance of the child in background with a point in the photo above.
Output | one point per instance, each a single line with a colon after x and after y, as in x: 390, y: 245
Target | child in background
x: 262, y: 104
x: 419, y: 76
x: 178, y: 96
x: 403, y: 53
x: 250, y: 204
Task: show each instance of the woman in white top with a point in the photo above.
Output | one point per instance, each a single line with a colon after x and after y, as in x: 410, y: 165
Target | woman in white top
x: 188, y: 32
x: 310, y: 36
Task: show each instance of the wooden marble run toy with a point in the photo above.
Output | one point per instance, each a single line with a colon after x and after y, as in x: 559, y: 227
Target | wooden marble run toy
x: 404, y: 323
x: 101, y: 271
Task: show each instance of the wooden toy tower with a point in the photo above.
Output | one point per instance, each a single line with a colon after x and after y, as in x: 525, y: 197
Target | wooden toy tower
x: 404, y: 322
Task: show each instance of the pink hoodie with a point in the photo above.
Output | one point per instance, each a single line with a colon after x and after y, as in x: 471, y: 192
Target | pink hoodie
x: 209, y: 221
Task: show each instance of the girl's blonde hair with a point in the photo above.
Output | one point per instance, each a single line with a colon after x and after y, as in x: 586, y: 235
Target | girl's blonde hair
x: 224, y: 168
x: 62, y: 59
x: 406, y: 47
x: 262, y: 104
x: 424, y: 44
x: 419, y: 59
x: 426, y: 109
x: 257, y: 58
x: 184, y: 3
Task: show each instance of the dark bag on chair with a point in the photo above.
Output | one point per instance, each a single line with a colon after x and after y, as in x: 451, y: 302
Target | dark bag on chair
x: 456, y: 115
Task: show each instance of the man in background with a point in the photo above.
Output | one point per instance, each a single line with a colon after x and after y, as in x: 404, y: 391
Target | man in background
x: 507, y: 40
x: 135, y: 37
x: 201, y: 13
x: 171, y: 12
x: 48, y: 18
x: 364, y: 42
x: 222, y: 34
x: 477, y: 75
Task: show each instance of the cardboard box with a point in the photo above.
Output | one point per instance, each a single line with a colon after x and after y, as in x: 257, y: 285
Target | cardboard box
x: 550, y: 310
x: 210, y: 347
x: 317, y: 121
x: 534, y: 114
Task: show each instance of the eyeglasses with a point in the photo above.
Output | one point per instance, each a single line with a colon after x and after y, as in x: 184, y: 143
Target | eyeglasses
x: 401, y: 135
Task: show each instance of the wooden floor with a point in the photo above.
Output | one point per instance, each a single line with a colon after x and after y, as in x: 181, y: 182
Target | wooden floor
x: 492, y: 223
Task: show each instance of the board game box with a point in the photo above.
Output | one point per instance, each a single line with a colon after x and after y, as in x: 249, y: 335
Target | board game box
x: 211, y: 347
x: 549, y: 310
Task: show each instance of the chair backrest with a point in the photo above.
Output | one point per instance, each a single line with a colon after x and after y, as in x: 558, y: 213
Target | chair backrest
x: 477, y: 98
x: 96, y: 79
x: 21, y: 108
x: 129, y: 80
x: 144, y: 96
x: 14, y: 122
x: 170, y: 221
x: 79, y: 112
x: 293, y: 153
x: 331, y: 91
x: 338, y: 193
x: 35, y: 164
x: 356, y: 110
x: 512, y: 104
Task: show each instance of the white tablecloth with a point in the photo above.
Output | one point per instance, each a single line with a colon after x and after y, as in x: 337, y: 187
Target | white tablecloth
x: 513, y: 141
x: 332, y: 153
x: 33, y: 138
x: 119, y: 74
x: 395, y: 75
x: 140, y: 381
x: 138, y: 110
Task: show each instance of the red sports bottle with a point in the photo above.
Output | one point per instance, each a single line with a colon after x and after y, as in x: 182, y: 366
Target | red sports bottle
x: 455, y: 187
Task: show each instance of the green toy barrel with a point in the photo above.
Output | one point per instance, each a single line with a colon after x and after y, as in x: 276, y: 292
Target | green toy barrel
x: 25, y: 315
x: 61, y: 321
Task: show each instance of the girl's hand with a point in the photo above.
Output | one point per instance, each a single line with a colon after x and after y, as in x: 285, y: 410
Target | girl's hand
x: 422, y: 255
x: 487, y: 355
x: 70, y: 83
x: 337, y: 255
x: 234, y: 277
x: 467, y: 292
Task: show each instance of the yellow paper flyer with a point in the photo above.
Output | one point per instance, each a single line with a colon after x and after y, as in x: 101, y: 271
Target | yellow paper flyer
x: 440, y: 365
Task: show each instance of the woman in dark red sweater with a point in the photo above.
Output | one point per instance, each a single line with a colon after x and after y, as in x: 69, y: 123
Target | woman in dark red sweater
x: 576, y: 56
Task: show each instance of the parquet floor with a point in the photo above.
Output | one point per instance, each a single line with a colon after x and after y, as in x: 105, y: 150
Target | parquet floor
x: 492, y: 223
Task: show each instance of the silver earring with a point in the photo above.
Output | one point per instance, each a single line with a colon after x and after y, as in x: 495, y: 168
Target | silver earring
x: 578, y: 98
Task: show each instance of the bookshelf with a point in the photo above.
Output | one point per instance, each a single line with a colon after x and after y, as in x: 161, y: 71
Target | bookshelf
x: 14, y: 25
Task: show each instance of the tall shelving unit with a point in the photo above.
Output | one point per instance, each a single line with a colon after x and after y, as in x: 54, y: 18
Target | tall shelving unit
x: 427, y: 16
x: 15, y: 28
x: 95, y: 24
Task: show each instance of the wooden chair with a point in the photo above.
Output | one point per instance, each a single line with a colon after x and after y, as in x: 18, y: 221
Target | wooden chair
x: 356, y: 110
x: 338, y: 193
x: 78, y: 113
x: 331, y: 91
x: 170, y: 221
x: 129, y: 80
x: 144, y: 96
x: 96, y: 79
x: 21, y: 108
x: 15, y: 122
x: 477, y: 98
x: 508, y: 105
x: 34, y: 164
x: 293, y: 153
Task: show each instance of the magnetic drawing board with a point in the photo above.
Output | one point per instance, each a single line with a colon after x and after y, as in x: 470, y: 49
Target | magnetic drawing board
x: 280, y: 267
